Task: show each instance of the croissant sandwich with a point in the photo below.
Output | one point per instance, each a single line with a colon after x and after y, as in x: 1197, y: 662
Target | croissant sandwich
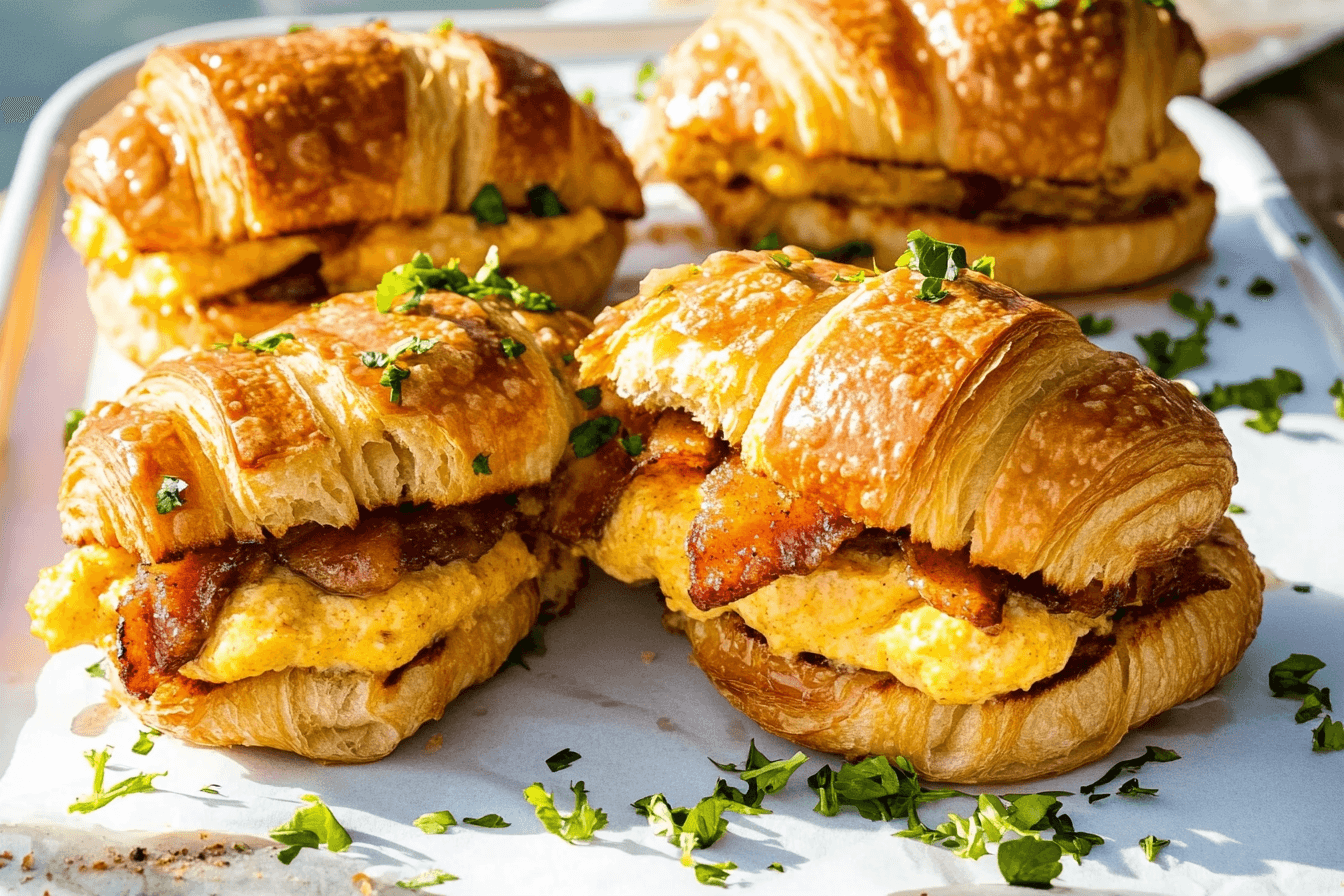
x: 244, y: 179
x: 1033, y: 132
x: 914, y: 513
x: 315, y: 540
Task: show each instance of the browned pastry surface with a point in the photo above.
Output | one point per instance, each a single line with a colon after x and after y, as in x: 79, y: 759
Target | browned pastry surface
x: 986, y: 419
x: 1155, y: 659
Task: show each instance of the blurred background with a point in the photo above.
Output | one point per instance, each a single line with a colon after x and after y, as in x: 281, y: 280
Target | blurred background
x: 1275, y: 65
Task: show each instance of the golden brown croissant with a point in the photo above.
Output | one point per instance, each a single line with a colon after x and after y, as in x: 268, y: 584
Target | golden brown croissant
x: 1037, y: 136
x: 243, y: 178
x: 899, y: 513
x: 315, y: 540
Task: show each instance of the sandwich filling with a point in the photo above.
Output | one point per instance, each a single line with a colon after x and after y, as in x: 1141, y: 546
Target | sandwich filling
x: 369, y: 598
x: 810, y: 581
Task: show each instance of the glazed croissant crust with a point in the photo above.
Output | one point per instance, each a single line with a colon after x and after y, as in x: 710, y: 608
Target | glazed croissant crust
x: 267, y: 440
x: 247, y: 139
x: 984, y: 419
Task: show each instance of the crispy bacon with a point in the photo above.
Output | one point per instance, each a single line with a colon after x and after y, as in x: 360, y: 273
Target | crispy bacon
x: 950, y: 583
x: 750, y: 531
x: 1184, y: 574
x: 356, y: 562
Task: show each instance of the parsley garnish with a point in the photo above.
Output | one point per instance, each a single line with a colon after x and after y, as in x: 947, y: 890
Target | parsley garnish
x: 444, y: 27
x: 633, y: 444
x: 212, y: 789
x: 169, y: 496
x: 480, y: 465
x: 393, y: 373
x: 591, y: 435
x: 1028, y: 862
x: 1235, y: 508
x: 1152, y: 846
x: 96, y: 670
x: 1302, y: 589
x: 531, y: 644
x: 588, y: 96
x: 265, y: 346
x: 580, y: 824
x: 1336, y: 391
x: 567, y: 357
x: 1128, y: 766
x: 487, y: 821
x: 936, y: 260
x: 590, y: 396
x: 1260, y: 288
x: 511, y: 347
x: 299, y: 28
x: 435, y: 822
x: 426, y: 879
x: 419, y: 275
x: 873, y: 786
x: 543, y: 202
x: 759, y: 771
x: 1261, y: 395
x: 1328, y: 736
x: 782, y: 260
x: 1303, y: 239
x: 312, y: 826
x: 775, y: 866
x: 647, y: 72
x: 845, y: 251
x: 562, y: 760
x: 856, y: 277
x: 73, y: 418
x: 984, y: 265
x: 100, y: 797
x: 1028, y: 815
x: 695, y: 828
x: 488, y: 206
x: 1132, y: 788
x: 143, y: 745
x: 1091, y: 325
x: 713, y: 874
x: 1169, y: 358
x: 1292, y: 678
x: 767, y: 243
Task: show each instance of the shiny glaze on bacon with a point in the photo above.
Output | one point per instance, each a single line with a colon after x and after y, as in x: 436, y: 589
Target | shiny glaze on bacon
x: 750, y: 531
x: 168, y: 612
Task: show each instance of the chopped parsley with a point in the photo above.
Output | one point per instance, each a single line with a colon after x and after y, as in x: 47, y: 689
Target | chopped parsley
x: 1336, y: 391
x: 444, y: 27
x: 1128, y: 766
x: 1235, y: 508
x: 144, y: 744
x: 480, y: 464
x: 693, y: 828
x: 435, y: 822
x: 212, y: 789
x: 1302, y: 589
x: 412, y: 280
x: 775, y: 866
x: 488, y: 206
x: 1132, y: 788
x: 1168, y: 357
x: 713, y: 874
x: 782, y: 260
x: 1303, y: 239
x: 879, y: 790
x: 759, y: 771
x: 1224, y: 281
x: 633, y: 444
x: 426, y: 879
x: 531, y: 644
x: 845, y: 251
x: 511, y: 347
x: 101, y: 796
x: 1292, y: 678
x: 588, y: 96
x: 299, y: 28
x: 1261, y: 395
x: 939, y: 263
x: 856, y: 277
x: 984, y: 265
x: 169, y: 496
x: 1261, y: 288
x: 1152, y: 846
x: 1328, y: 736
x: 567, y: 357
x: 768, y: 243
x: 72, y: 421
x: 562, y: 760
x: 580, y: 824
x: 96, y: 670
x: 1029, y: 862
x: 590, y: 396
x: 393, y: 373
x: 1091, y: 325
x: 487, y: 821
x: 589, y: 436
x: 643, y: 78
x: 543, y: 203
x: 265, y: 346
x: 311, y: 827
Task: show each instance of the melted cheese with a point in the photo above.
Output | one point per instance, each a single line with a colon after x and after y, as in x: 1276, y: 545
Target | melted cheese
x: 283, y: 620
x: 856, y: 609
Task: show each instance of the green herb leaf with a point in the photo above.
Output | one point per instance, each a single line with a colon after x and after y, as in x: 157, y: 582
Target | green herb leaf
x: 487, y: 821
x: 543, y: 202
x: 426, y: 879
x: 1291, y: 678
x: 299, y: 28
x: 1261, y: 288
x: 580, y: 824
x: 1028, y: 862
x: 1132, y: 788
x: 311, y: 827
x: 435, y: 822
x: 1170, y: 358
x: 845, y: 251
x: 590, y: 396
x: 480, y: 465
x: 511, y: 347
x: 143, y: 745
x: 169, y: 496
x: 1302, y: 589
x: 873, y: 786
x: 1092, y: 325
x: 647, y: 73
x: 444, y: 27
x: 589, y: 436
x: 1328, y: 736
x: 768, y: 243
x: 567, y: 357
x: 212, y: 789
x: 1152, y: 846
x: 100, y: 796
x: 1129, y: 766
x: 1223, y: 282
x: 782, y: 260
x: 562, y: 760
x: 1235, y: 508
x: 488, y: 206
x: 392, y: 378
x: 531, y: 644
x: 775, y: 866
x: 1261, y: 395
x: 72, y: 420
x: 713, y: 874
x: 984, y: 265
x: 769, y: 775
x: 633, y: 444
x: 856, y: 277
x: 96, y: 670
x: 1336, y: 391
x: 588, y: 96
x: 1312, y: 705
x: 934, y: 258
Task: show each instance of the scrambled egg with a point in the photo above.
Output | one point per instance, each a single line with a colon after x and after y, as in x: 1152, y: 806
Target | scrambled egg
x: 856, y: 609
x: 283, y: 620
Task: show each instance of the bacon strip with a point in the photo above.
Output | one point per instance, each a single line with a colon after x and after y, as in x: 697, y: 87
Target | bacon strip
x: 750, y: 531
x: 950, y: 583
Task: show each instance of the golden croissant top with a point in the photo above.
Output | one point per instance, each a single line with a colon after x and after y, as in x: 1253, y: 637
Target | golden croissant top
x: 969, y: 86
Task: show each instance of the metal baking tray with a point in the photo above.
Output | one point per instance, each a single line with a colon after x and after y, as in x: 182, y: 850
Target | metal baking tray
x: 647, y: 726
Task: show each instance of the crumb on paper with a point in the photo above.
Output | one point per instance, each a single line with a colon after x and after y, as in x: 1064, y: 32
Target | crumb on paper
x: 6, y: 855
x: 27, y: 863
x: 364, y: 883
x: 648, y: 656
x: 434, y: 744
x: 99, y: 865
x: 666, y: 724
